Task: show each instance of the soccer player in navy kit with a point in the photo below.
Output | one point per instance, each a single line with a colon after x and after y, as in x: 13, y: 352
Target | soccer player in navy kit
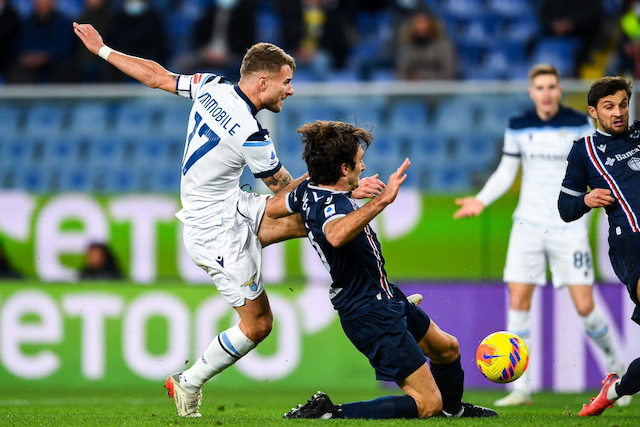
x: 394, y: 334
x: 609, y: 164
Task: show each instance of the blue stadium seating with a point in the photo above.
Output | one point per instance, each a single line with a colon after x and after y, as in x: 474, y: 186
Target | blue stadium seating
x: 122, y: 180
x: 78, y: 178
x: 476, y: 151
x: 409, y: 118
x: 17, y: 150
x: 464, y: 8
x: 152, y: 151
x: 559, y: 52
x: 521, y: 28
x: 9, y: 120
x: 134, y: 118
x: 44, y: 119
x: 33, y: 179
x: 174, y: 118
x: 429, y: 150
x: 454, y: 115
x: 449, y: 178
x: 89, y: 118
x: 106, y: 151
x: 510, y: 8
x: 63, y: 151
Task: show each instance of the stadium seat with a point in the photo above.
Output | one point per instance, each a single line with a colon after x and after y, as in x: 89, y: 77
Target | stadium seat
x: 78, y: 178
x: 151, y: 151
x: 559, y: 52
x: 18, y: 150
x: 482, y: 28
x: 385, y: 148
x: 89, y: 118
x: 166, y: 180
x: 362, y: 111
x: 464, y: 8
x: 268, y: 24
x: 454, y: 116
x: 106, y: 151
x: 44, y: 119
x: 449, y: 178
x: 510, y: 8
x: 408, y: 117
x: 134, y: 118
x: 470, y: 54
x: 62, y: 151
x: 32, y: 179
x: 427, y: 150
x: 477, y: 152
x: 9, y: 119
x: 521, y: 28
x: 174, y: 118
x: 122, y: 180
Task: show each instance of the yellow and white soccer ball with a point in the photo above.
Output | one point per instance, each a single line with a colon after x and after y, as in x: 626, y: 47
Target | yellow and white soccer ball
x: 502, y: 357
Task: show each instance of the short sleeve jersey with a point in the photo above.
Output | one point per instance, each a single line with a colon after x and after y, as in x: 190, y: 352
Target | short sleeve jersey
x: 356, y: 268
x: 223, y: 136
x: 543, y: 147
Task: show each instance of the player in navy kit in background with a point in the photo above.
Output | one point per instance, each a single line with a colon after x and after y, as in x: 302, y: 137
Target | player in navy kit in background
x: 394, y: 334
x: 609, y: 164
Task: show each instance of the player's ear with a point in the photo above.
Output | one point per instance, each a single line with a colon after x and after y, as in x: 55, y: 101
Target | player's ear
x: 593, y: 113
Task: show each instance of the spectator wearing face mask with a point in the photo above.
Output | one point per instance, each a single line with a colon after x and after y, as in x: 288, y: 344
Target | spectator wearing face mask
x: 424, y: 50
x: 138, y: 30
x: 221, y: 37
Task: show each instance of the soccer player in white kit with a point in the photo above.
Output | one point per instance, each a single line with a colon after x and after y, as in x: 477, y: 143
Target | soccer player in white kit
x: 542, y: 138
x: 224, y: 227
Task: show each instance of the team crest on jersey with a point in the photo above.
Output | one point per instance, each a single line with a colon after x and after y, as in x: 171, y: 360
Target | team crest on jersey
x: 610, y: 161
x: 634, y: 164
x: 635, y: 134
x: 602, y: 147
x: 329, y: 211
x: 196, y: 78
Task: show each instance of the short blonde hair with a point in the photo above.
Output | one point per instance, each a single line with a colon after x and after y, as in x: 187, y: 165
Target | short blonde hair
x: 542, y: 69
x: 265, y: 57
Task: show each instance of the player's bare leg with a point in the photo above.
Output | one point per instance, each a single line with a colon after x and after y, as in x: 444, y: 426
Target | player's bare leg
x: 422, y: 387
x: 444, y: 352
x: 277, y: 230
x: 520, y: 296
x: 598, y: 330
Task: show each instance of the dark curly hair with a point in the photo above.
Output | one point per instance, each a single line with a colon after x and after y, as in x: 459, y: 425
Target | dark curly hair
x: 607, y: 86
x: 330, y: 144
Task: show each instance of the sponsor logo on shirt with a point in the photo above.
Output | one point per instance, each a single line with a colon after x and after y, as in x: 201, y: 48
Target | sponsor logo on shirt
x: 196, y: 78
x: 634, y: 164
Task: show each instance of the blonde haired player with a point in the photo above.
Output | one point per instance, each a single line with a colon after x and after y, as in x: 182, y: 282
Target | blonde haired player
x: 541, y: 139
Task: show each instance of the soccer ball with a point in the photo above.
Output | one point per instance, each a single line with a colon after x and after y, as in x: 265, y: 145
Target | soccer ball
x: 502, y: 357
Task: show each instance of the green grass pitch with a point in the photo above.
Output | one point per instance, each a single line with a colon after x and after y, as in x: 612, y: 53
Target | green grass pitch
x: 264, y: 406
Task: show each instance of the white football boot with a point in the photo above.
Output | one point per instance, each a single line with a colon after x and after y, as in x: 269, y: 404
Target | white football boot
x: 415, y: 299
x: 187, y: 404
x: 515, y: 398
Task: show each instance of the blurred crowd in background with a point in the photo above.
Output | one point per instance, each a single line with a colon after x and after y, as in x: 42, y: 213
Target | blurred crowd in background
x: 332, y: 40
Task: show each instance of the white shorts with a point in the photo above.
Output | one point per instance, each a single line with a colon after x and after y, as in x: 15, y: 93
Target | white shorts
x: 230, y: 251
x: 567, y: 250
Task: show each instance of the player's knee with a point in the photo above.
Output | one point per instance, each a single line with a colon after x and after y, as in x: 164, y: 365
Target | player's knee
x: 585, y: 308
x: 429, y: 406
x: 454, y: 349
x: 263, y: 328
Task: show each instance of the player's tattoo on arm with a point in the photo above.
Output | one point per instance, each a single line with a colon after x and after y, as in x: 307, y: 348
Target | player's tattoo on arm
x: 279, y: 180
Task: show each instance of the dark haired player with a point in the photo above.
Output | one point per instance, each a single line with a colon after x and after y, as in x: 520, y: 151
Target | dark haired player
x: 394, y: 334
x: 609, y: 164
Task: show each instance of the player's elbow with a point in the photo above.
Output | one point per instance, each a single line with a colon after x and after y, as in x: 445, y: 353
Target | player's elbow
x: 335, y: 240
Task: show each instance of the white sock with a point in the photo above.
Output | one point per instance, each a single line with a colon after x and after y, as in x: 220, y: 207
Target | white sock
x: 611, y: 393
x: 598, y: 330
x: 225, y: 350
x: 518, y: 323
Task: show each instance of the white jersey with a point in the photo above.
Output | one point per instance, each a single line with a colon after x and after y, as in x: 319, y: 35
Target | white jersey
x: 543, y: 147
x: 223, y: 136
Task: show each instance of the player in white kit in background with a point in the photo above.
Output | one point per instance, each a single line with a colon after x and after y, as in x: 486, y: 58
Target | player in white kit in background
x: 225, y: 228
x: 541, y: 138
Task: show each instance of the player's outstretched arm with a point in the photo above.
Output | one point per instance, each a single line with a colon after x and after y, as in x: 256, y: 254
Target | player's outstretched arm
x: 469, y: 206
x: 147, y: 72
x: 341, y: 231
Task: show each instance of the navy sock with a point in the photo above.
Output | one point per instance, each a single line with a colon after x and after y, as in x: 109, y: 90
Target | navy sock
x: 382, y: 408
x: 630, y: 382
x: 450, y: 381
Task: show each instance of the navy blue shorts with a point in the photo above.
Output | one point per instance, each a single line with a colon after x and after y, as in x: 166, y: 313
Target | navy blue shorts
x: 624, y: 252
x: 388, y: 335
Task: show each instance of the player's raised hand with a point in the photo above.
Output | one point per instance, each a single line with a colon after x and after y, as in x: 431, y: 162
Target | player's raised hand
x: 469, y: 206
x: 598, y: 198
x: 395, y: 181
x: 368, y: 188
x: 89, y: 36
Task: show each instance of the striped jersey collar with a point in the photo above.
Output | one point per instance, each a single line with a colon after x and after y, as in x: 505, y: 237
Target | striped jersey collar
x: 239, y: 91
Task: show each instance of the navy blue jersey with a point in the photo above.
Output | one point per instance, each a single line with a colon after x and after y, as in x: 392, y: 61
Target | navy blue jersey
x: 609, y: 162
x: 357, y: 268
